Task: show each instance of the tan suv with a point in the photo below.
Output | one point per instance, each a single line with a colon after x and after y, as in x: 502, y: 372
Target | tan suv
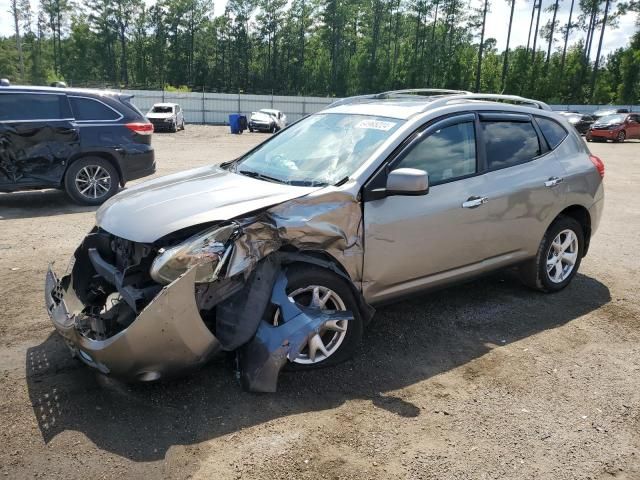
x: 280, y: 255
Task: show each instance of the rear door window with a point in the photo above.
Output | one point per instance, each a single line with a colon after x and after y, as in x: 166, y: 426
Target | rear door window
x: 509, y: 143
x: 446, y: 154
x: 88, y: 109
x: 32, y: 107
x: 553, y: 132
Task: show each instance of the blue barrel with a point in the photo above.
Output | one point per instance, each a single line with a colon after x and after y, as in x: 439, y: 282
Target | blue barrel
x: 234, y: 122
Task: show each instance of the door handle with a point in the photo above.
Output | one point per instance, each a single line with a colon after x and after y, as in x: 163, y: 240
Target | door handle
x: 553, y: 181
x: 475, y: 201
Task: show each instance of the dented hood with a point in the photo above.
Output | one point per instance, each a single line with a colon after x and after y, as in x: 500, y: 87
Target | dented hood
x: 153, y: 209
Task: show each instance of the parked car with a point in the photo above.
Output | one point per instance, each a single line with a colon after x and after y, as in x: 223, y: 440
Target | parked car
x: 267, y: 120
x: 617, y: 128
x: 166, y: 116
x: 281, y: 254
x: 609, y: 111
x: 87, y: 142
x: 581, y: 122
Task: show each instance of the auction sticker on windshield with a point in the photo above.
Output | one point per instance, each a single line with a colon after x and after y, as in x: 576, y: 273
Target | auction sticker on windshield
x: 376, y: 125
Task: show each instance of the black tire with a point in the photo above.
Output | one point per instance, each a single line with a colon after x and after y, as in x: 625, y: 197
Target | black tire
x: 534, y: 272
x: 71, y: 186
x: 182, y: 125
x: 301, y: 276
x: 622, y: 136
x: 174, y: 127
x: 272, y: 129
x: 251, y: 129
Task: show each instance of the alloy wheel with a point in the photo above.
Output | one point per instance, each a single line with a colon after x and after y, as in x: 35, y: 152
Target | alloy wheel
x: 562, y: 256
x: 328, y: 340
x: 93, y: 181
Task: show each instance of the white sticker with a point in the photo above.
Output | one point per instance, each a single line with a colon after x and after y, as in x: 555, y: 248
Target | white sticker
x: 376, y: 125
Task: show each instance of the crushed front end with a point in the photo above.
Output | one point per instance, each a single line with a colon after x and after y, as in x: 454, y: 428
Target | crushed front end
x: 145, y: 311
x: 116, y: 318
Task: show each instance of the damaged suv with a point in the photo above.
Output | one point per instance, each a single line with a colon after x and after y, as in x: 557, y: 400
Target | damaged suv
x: 281, y: 254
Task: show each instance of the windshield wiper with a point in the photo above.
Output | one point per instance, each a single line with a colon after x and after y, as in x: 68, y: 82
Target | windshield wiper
x: 260, y: 176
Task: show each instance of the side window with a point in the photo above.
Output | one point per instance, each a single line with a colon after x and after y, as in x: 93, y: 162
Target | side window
x: 634, y: 118
x: 509, y: 143
x: 87, y: 109
x: 446, y: 154
x: 553, y: 132
x: 27, y: 106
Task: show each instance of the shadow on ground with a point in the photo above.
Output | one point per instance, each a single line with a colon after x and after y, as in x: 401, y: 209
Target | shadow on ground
x: 38, y: 203
x: 406, y: 343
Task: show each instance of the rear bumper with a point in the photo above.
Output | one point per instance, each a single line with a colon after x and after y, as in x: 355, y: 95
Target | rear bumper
x: 138, y: 164
x: 166, y: 338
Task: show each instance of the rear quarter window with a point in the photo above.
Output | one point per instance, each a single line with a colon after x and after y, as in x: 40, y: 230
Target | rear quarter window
x: 553, y: 132
x: 509, y: 143
x: 31, y: 106
x: 88, y: 109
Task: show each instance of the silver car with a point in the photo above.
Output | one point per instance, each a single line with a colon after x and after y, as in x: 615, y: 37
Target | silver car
x: 279, y: 256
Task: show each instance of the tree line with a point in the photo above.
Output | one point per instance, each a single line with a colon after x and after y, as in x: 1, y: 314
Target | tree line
x: 322, y: 47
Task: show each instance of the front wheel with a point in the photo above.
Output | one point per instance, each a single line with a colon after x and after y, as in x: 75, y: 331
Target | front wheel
x: 621, y: 137
x: 316, y: 287
x: 558, y: 258
x: 272, y: 129
x: 91, y: 180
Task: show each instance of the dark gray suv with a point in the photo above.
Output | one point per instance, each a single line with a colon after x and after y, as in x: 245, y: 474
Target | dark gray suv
x: 281, y: 255
x: 87, y: 142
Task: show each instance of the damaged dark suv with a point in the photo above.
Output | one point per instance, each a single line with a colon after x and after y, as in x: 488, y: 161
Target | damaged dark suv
x: 87, y: 142
x: 280, y: 255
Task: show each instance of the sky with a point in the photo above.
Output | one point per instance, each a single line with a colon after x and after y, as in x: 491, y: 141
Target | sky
x: 497, y: 23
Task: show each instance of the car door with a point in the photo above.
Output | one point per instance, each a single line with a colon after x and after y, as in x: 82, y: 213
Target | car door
x: 37, y: 136
x: 633, y: 126
x: 412, y: 242
x: 524, y: 182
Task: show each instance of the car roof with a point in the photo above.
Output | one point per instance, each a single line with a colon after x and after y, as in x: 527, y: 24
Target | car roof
x: 269, y: 110
x: 404, y: 104
x: 67, y: 90
x: 164, y: 104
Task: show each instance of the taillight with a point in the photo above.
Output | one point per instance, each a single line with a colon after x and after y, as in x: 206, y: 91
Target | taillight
x: 599, y: 164
x: 141, y: 128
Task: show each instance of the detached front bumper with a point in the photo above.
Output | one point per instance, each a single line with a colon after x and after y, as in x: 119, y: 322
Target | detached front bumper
x: 166, y: 338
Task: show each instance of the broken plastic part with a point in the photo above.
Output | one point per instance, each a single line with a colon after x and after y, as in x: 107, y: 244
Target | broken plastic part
x: 261, y: 359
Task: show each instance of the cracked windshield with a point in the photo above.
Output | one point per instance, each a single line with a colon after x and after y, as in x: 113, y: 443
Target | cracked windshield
x: 320, y: 150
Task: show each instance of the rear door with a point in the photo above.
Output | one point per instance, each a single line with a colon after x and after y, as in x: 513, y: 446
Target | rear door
x: 524, y: 182
x: 37, y: 137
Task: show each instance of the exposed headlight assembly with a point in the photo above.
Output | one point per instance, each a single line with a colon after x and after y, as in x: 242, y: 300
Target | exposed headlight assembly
x: 207, y: 251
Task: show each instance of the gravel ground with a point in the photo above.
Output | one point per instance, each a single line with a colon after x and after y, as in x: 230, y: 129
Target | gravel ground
x: 487, y: 380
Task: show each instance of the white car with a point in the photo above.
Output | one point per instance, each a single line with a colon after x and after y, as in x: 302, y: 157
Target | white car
x: 267, y: 120
x: 166, y: 116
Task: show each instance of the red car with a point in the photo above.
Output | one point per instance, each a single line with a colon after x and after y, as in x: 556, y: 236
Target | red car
x: 617, y: 127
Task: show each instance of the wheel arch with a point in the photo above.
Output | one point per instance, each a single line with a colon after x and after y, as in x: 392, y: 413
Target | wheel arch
x: 581, y: 215
x: 322, y: 259
x: 109, y: 157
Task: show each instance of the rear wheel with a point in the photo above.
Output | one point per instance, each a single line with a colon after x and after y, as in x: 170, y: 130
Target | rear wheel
x: 91, y: 180
x: 320, y: 288
x: 558, y: 257
x: 272, y: 129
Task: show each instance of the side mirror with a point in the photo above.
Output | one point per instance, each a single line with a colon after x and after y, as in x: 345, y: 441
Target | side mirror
x: 407, y: 181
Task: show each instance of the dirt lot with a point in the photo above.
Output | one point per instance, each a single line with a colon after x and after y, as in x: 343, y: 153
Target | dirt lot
x: 486, y: 380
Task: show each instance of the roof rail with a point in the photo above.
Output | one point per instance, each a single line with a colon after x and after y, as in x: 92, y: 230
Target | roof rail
x: 423, y: 91
x: 348, y: 100
x: 493, y: 97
